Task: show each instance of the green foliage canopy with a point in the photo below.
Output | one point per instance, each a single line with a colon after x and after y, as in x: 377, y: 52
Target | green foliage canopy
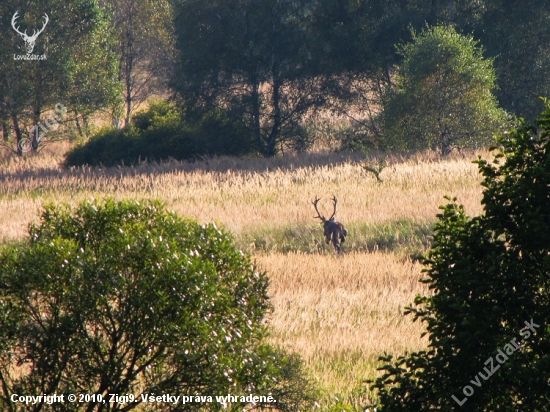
x: 128, y: 298
x: 517, y: 35
x: 443, y: 94
x: 79, y: 70
x: 252, y: 60
x: 489, y: 276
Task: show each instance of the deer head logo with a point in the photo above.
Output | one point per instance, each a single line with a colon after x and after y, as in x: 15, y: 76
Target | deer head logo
x: 29, y: 40
x: 333, y: 231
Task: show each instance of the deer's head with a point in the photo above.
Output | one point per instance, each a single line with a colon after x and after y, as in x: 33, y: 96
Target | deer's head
x: 29, y: 40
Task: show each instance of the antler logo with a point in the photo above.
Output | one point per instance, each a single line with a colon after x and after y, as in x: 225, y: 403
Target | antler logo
x: 29, y: 40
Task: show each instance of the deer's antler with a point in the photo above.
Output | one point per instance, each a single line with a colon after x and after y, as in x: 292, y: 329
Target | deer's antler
x: 319, y: 215
x: 35, y: 35
x: 13, y: 22
x: 334, y: 201
x: 24, y: 34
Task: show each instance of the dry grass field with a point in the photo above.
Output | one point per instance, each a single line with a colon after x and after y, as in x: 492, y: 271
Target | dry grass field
x: 339, y: 312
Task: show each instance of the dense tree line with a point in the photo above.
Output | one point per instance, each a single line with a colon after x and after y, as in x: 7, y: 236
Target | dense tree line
x: 265, y: 64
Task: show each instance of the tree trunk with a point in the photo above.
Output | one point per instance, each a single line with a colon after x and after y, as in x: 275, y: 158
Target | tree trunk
x: 128, y: 68
x: 38, y: 104
x: 78, y: 127
x: 5, y: 133
x: 36, y: 134
x: 256, y: 117
x: 271, y: 147
x: 128, y: 97
x: 18, y: 134
x: 86, y: 125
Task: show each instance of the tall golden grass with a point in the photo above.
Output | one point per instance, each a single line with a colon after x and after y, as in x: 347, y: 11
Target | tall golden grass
x: 243, y: 193
x: 342, y: 312
x: 339, y: 312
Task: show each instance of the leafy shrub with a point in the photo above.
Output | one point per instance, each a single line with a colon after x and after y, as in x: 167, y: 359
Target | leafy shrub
x: 490, y: 277
x: 162, y: 132
x: 129, y: 299
x: 443, y: 97
x: 159, y: 111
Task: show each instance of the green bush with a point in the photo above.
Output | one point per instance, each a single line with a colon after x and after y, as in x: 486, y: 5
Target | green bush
x: 130, y: 299
x: 442, y: 97
x: 490, y: 277
x: 162, y: 132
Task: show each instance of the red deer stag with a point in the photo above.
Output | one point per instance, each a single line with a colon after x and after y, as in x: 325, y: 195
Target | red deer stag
x: 334, y: 230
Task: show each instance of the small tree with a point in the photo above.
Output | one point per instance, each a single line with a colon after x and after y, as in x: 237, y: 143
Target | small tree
x: 144, y: 46
x: 443, y: 94
x: 487, y: 320
x: 129, y: 299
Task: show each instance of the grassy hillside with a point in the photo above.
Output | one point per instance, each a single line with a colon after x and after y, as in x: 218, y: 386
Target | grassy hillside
x: 339, y: 312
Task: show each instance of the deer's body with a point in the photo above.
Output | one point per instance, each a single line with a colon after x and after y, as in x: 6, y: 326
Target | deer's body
x: 334, y: 231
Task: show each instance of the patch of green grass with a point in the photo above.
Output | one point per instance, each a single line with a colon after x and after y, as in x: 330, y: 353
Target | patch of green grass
x: 404, y: 237
x: 348, y: 394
